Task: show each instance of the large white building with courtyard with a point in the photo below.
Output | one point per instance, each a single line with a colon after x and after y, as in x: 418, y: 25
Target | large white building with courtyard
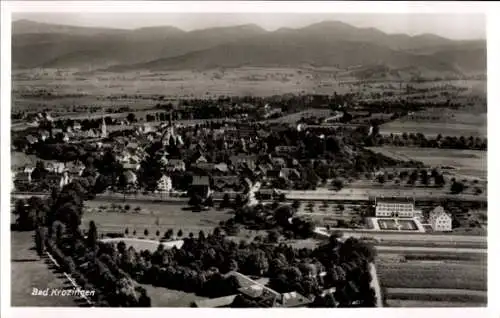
x: 395, y: 207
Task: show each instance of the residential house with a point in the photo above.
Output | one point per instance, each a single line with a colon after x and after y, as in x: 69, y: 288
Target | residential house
x: 290, y: 174
x: 22, y: 180
x: 278, y: 162
x: 74, y: 169
x: 56, y: 180
x: 43, y: 135
x: 76, y: 126
x: 201, y: 186
x: 285, y: 149
x: 225, y: 183
x: 31, y: 139
x: 131, y: 166
x: 56, y: 167
x: 56, y: 131
x: 439, y: 220
x: 165, y: 184
x: 175, y: 165
x: 394, y: 207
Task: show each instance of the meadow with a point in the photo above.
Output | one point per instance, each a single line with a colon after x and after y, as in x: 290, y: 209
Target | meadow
x: 153, y: 217
x: 464, y: 162
x: 444, y: 122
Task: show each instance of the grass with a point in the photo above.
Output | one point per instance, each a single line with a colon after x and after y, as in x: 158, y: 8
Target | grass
x: 446, y: 123
x: 164, y: 297
x: 168, y: 216
x: 467, y: 162
x: 431, y: 275
x: 29, y: 271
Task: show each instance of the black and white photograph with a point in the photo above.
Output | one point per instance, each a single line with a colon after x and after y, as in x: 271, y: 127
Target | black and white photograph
x: 247, y: 160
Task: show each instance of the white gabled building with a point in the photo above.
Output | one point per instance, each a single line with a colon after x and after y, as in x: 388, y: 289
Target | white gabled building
x: 164, y: 184
x: 439, y: 220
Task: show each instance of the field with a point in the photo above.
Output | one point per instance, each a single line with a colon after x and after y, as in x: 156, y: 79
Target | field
x: 164, y: 297
x: 433, y: 275
x: 293, y: 118
x: 28, y: 271
x: 153, y: 216
x: 465, y: 162
x: 446, y: 123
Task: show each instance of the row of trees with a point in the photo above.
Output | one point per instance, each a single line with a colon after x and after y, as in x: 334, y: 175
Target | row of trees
x: 57, y: 220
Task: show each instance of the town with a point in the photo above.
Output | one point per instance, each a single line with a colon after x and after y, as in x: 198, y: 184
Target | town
x: 372, y: 196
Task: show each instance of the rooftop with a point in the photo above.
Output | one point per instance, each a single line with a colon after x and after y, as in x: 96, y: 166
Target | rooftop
x: 201, y: 180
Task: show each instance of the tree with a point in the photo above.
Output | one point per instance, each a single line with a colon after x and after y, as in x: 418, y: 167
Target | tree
x: 134, y: 233
x: 131, y: 117
x: 273, y: 236
x: 146, y: 232
x: 92, y: 236
x: 381, y: 179
x: 126, y: 231
x: 40, y: 240
x: 296, y: 205
x: 457, y: 187
x: 238, y: 201
x: 225, y: 201
x: 179, y: 234
x: 337, y: 184
x: 157, y: 232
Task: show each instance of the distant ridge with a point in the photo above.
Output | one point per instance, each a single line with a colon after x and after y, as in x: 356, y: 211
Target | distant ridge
x: 329, y: 43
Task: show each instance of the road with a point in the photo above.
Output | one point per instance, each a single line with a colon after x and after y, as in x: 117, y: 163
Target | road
x: 375, y: 284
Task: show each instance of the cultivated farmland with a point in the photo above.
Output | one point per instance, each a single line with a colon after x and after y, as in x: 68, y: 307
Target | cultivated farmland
x: 433, y: 275
x: 446, y: 123
x: 153, y: 217
x: 464, y: 162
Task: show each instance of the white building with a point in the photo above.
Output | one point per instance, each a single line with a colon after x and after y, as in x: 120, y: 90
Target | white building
x: 165, y: 184
x: 394, y: 207
x: 440, y: 220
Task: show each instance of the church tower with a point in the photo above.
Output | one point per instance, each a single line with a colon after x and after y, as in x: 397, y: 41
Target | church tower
x: 104, y: 132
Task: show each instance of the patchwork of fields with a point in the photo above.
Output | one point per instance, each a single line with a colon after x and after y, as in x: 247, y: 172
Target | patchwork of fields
x: 464, y: 162
x: 447, y: 124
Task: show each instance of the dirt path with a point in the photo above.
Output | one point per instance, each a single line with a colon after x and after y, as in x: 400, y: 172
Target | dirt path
x: 375, y: 284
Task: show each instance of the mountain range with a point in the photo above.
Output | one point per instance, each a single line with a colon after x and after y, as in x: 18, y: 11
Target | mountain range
x: 326, y: 44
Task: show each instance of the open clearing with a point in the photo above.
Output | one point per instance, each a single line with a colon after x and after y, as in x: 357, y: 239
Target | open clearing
x: 164, y: 297
x: 446, y: 123
x: 28, y: 271
x: 153, y: 217
x: 465, y: 162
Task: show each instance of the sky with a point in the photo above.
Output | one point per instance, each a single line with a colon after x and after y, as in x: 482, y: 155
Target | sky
x: 457, y: 26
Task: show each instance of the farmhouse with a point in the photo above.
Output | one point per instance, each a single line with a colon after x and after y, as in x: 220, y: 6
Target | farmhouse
x: 394, y: 207
x: 440, y: 220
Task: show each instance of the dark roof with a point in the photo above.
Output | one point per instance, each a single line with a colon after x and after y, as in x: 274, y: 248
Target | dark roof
x: 201, y: 180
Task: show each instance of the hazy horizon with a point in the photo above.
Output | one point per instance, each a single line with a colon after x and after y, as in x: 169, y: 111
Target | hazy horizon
x: 452, y: 26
